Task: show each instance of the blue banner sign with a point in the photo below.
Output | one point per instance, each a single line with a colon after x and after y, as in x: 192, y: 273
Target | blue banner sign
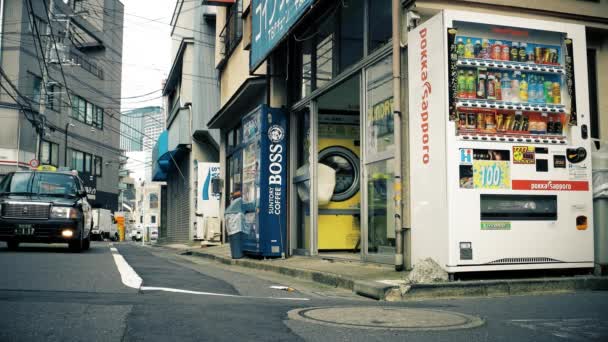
x: 271, y: 20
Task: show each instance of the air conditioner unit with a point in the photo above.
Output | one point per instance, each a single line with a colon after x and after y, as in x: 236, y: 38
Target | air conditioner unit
x: 207, y: 228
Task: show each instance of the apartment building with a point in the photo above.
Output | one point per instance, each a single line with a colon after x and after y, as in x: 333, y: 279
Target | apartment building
x: 338, y: 73
x: 191, y: 98
x: 60, y: 99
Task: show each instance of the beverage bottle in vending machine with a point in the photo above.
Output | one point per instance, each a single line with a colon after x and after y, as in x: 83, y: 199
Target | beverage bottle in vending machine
x: 550, y: 126
x: 497, y: 85
x: 505, y: 87
x: 485, y: 48
x: 523, y: 89
x: 548, y: 91
x: 515, y: 87
x: 523, y: 54
x: 481, y: 83
x: 469, y: 50
x: 540, y: 90
x: 557, y: 93
x: 514, y: 54
x: 557, y: 126
x: 491, y: 92
x: 532, y: 96
x: 504, y: 52
x: 496, y: 50
x: 477, y: 49
x: 459, y: 47
x: 470, y: 85
x: 462, y: 85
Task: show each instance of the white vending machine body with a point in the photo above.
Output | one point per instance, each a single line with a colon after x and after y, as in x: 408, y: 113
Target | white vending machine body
x: 498, y: 191
x: 207, y: 203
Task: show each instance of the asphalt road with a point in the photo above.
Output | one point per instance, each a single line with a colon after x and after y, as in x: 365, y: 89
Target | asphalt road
x: 50, y: 294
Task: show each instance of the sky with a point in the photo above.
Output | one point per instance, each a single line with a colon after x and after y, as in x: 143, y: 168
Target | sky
x: 146, y: 51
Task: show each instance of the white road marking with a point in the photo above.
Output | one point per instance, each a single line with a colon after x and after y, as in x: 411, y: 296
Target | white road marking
x: 130, y: 278
x: 127, y: 274
x: 168, y: 289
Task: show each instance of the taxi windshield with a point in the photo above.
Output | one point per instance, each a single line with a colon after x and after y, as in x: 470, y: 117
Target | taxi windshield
x: 37, y: 183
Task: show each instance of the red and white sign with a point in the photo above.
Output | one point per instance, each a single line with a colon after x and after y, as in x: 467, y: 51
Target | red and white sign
x: 34, y: 163
x: 548, y: 185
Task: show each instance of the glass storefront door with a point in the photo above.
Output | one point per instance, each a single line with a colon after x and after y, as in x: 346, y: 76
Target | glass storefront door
x: 301, y: 222
x: 379, y: 209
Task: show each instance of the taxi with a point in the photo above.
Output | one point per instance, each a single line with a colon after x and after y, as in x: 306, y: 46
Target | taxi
x: 45, y: 207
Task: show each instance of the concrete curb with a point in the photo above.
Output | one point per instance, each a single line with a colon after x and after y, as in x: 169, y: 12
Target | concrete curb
x: 325, y: 278
x: 495, y: 288
x: 381, y: 291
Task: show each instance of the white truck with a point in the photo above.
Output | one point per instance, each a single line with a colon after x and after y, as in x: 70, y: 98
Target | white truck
x: 104, y: 226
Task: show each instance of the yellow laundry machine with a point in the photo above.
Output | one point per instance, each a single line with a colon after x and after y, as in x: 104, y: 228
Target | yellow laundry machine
x: 339, y: 220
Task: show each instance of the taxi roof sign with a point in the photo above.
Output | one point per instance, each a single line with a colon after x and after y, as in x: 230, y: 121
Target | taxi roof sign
x: 48, y: 168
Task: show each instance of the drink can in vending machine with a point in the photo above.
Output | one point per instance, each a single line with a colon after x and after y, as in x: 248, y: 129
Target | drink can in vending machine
x: 499, y: 122
x: 557, y: 93
x: 523, y: 53
x: 481, y: 122
x: 554, y: 56
x: 538, y: 55
x: 547, y: 56
x: 471, y: 120
x: 462, y: 120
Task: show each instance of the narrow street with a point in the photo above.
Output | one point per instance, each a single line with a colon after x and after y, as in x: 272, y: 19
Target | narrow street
x: 50, y: 294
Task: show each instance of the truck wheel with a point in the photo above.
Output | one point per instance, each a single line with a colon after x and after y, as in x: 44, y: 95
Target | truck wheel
x: 12, y: 245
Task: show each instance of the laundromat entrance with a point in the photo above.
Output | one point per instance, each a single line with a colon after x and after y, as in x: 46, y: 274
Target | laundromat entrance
x: 342, y: 152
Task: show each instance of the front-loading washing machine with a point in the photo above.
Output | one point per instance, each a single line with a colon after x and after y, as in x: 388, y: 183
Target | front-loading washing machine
x: 339, y: 220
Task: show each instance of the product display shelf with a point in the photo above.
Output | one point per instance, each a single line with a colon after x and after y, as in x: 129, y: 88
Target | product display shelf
x: 510, y: 65
x: 505, y: 105
x: 514, y: 137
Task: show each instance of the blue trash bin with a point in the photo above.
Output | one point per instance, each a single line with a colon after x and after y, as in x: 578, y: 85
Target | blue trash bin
x: 236, y: 245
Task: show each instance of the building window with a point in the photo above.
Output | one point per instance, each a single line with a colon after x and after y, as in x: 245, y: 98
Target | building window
x: 97, y: 165
x: 53, y: 98
x: 141, y: 219
x: 36, y: 89
x: 86, y: 112
x: 153, y: 199
x: 337, y: 41
x: 77, y: 161
x: 153, y: 219
x: 380, y: 24
x: 86, y: 162
x: 233, y: 31
x: 49, y: 153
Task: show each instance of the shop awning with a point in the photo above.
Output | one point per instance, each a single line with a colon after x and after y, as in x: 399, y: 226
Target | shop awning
x: 163, y: 158
x: 240, y: 103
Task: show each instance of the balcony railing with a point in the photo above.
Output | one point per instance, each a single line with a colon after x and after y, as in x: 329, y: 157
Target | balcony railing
x: 87, y: 65
x: 231, y: 34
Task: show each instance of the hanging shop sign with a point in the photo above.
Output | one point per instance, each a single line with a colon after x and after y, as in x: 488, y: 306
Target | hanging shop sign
x: 271, y: 20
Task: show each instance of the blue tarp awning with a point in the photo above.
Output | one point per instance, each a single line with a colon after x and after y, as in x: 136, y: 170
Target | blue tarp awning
x: 163, y: 158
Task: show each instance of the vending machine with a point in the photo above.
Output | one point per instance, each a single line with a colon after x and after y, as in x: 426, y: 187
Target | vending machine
x: 264, y: 182
x: 207, y: 203
x: 499, y: 143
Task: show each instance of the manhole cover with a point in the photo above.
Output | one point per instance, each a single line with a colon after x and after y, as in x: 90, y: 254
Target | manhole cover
x: 386, y: 318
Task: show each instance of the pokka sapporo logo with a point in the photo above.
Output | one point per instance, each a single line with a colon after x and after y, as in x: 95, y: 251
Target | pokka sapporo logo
x: 276, y: 134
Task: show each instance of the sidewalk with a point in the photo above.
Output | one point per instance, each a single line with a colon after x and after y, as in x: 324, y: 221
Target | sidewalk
x: 382, y: 282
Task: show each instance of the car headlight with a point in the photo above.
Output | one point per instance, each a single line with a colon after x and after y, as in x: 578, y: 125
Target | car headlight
x: 64, y: 213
